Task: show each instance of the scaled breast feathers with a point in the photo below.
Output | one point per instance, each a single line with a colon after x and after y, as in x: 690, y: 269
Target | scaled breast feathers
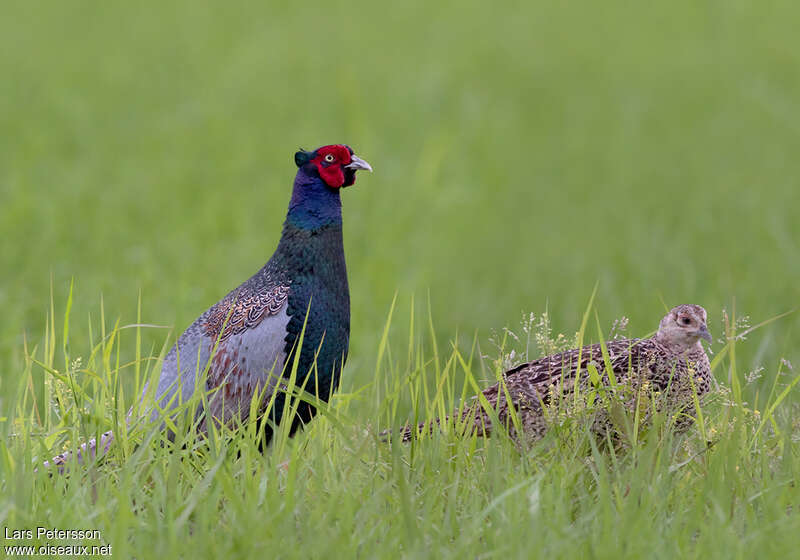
x: 243, y: 311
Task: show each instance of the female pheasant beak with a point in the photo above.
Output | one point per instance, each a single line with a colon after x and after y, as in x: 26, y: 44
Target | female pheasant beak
x: 358, y: 163
x: 702, y: 332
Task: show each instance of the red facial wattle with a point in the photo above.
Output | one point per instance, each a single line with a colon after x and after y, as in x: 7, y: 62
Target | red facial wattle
x: 330, y: 162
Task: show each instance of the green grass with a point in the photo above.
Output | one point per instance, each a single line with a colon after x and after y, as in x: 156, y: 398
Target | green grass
x: 523, y: 153
x: 726, y: 489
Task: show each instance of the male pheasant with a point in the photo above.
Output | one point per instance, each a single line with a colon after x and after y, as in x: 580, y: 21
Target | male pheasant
x: 672, y: 365
x: 242, y: 343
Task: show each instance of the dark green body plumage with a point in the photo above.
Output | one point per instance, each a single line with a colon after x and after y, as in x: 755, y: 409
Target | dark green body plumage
x: 310, y: 262
x: 318, y: 288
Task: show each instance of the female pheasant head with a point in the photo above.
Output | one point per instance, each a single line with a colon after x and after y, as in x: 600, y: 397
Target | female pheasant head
x: 682, y: 328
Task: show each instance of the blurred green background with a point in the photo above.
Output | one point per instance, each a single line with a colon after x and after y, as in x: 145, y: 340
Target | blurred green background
x: 523, y: 152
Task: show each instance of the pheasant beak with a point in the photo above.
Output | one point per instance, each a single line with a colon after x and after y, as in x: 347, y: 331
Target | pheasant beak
x: 703, y: 333
x: 358, y: 163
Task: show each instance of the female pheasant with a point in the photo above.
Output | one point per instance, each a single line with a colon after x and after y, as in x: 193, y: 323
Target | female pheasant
x: 238, y: 348
x: 672, y: 365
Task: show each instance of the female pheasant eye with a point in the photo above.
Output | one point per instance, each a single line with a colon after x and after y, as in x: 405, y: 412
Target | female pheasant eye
x: 329, y: 158
x: 686, y: 320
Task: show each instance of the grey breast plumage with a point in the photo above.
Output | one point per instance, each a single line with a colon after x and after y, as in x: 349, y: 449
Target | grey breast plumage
x: 234, y: 351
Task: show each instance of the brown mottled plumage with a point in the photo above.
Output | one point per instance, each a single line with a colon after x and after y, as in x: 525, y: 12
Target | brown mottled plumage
x: 671, y: 365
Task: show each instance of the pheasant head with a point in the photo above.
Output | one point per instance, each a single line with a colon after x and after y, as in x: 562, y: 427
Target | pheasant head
x: 336, y: 164
x: 682, y: 328
x: 321, y: 174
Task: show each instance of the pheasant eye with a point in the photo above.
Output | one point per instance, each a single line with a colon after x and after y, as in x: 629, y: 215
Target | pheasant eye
x: 685, y: 320
x: 329, y: 158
